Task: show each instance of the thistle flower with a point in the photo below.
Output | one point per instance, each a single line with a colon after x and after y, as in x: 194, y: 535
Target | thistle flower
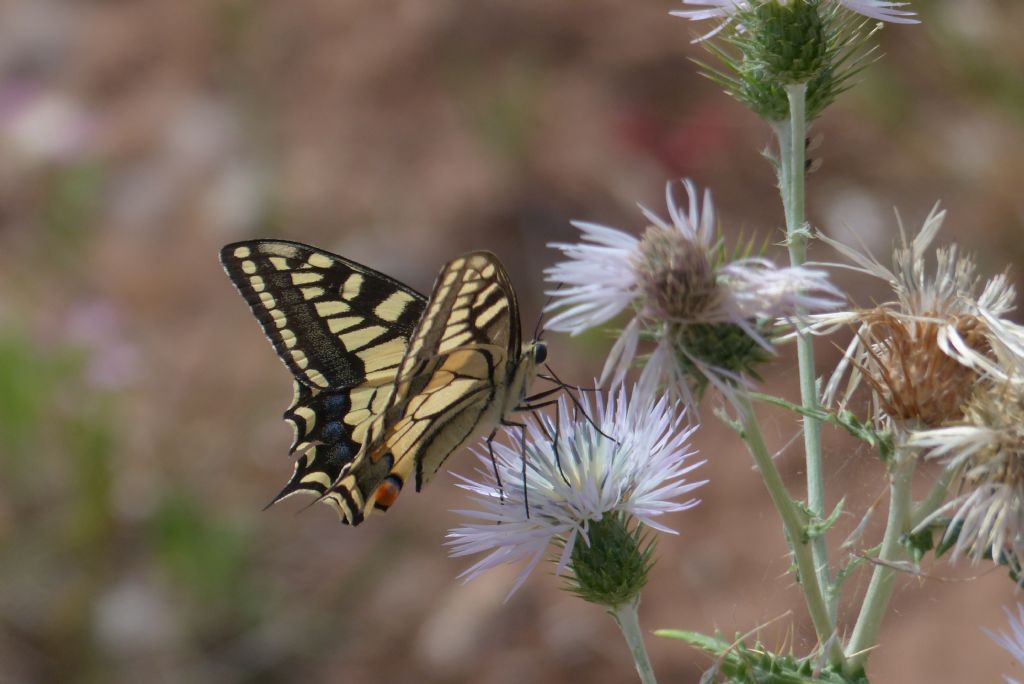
x: 772, y: 44
x: 923, y: 353
x: 711, y: 317
x: 725, y: 10
x: 1012, y: 642
x: 988, y: 449
x: 588, y: 483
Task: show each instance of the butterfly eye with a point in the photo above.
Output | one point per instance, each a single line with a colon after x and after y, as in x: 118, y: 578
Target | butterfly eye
x: 540, y: 352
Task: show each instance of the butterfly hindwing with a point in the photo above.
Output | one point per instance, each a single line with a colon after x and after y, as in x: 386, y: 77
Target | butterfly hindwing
x: 472, y: 303
x: 323, y: 438
x: 330, y: 428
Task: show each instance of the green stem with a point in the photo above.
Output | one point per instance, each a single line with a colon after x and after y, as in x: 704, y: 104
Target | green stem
x: 876, y: 600
x: 791, y: 185
x: 795, y: 526
x: 935, y: 498
x: 627, y: 618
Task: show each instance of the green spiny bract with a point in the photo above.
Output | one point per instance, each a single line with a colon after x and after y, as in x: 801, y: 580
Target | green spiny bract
x: 774, y: 44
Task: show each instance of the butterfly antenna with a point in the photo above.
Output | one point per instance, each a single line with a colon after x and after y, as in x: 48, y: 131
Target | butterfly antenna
x: 539, y: 329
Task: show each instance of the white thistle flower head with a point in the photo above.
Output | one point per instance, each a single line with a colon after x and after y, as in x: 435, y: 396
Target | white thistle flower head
x: 623, y: 458
x: 988, y: 450
x: 924, y: 352
x: 1013, y: 641
x: 724, y: 11
x: 711, y: 316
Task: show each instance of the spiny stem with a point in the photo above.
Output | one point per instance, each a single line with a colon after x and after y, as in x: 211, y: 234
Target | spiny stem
x: 795, y: 526
x: 935, y: 498
x: 876, y: 600
x: 791, y: 136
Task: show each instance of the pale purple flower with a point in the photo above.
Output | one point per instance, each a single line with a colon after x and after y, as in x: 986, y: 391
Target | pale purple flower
x: 725, y: 10
x: 632, y: 458
x: 677, y: 278
x: 1013, y: 641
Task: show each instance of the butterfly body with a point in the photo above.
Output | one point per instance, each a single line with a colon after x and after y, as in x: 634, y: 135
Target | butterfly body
x: 388, y: 383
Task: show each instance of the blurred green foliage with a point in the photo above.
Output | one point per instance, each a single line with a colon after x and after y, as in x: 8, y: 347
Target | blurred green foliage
x: 206, y: 556
x: 72, y: 201
x: 31, y: 378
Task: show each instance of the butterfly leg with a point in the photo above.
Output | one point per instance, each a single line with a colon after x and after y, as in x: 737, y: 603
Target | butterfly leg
x: 494, y: 463
x: 554, y: 443
x: 551, y: 378
x: 542, y: 395
x: 578, y: 405
x: 554, y: 438
x: 534, y: 407
x: 522, y: 456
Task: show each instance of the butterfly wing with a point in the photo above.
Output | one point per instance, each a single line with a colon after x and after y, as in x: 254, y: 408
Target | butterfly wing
x: 342, y: 329
x: 450, y: 385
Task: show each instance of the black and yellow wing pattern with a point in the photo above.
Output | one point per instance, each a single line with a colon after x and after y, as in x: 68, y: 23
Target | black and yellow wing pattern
x: 388, y: 383
x: 341, y: 329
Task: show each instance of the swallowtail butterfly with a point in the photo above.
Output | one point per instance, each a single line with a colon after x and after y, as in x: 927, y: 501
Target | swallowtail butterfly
x: 388, y: 383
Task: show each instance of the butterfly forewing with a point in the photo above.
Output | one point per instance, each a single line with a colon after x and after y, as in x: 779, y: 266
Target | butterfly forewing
x: 332, y: 321
x: 342, y: 329
x: 472, y: 302
x: 449, y: 387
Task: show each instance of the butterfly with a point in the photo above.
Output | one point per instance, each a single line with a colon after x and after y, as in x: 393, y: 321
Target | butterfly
x: 387, y: 383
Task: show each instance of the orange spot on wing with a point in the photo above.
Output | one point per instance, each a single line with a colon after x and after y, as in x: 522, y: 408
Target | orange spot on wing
x: 386, y: 493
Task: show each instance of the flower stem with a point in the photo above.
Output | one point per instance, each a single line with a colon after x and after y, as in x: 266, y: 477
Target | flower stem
x: 795, y: 527
x: 876, y: 600
x: 627, y: 618
x: 935, y: 498
x: 792, y: 160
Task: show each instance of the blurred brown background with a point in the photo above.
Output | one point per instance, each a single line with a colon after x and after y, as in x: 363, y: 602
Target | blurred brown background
x: 139, y: 405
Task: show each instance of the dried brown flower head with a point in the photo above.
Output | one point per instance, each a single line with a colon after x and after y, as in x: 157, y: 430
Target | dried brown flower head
x: 924, y: 353
x: 914, y: 380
